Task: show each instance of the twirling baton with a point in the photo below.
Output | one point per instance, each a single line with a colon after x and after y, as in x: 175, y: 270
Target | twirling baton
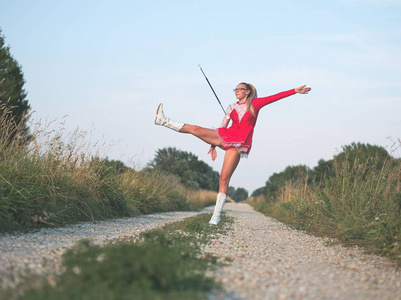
x: 212, y: 88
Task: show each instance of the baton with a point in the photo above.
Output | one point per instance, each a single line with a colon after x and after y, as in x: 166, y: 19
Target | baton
x: 212, y: 89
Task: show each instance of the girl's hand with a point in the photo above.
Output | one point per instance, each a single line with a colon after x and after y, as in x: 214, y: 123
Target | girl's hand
x: 302, y: 89
x: 213, y: 152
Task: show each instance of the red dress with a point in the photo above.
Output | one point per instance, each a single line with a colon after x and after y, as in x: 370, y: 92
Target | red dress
x: 239, y: 134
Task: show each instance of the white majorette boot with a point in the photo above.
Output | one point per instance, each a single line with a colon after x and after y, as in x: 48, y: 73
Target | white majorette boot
x: 166, y: 122
x: 221, y: 199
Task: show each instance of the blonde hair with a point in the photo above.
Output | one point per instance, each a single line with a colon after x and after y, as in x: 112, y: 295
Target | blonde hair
x: 252, y: 95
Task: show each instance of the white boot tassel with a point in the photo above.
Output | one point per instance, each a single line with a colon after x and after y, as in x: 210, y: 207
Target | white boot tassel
x: 166, y: 122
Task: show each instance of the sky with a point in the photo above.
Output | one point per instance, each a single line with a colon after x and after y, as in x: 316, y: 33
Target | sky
x: 104, y: 66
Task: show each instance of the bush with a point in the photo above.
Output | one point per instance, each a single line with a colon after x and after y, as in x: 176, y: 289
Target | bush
x: 359, y: 203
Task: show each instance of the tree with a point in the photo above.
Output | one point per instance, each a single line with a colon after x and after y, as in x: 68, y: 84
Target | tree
x: 323, y: 170
x: 193, y: 173
x: 258, y: 192
x: 356, y: 153
x: 363, y: 152
x: 294, y: 174
x: 238, y: 195
x: 108, y: 167
x: 13, y: 105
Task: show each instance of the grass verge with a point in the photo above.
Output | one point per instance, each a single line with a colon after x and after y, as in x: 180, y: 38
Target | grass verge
x: 360, y: 204
x: 166, y: 263
x: 56, y: 178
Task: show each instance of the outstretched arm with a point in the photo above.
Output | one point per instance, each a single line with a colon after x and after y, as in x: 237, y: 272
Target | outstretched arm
x: 260, y: 102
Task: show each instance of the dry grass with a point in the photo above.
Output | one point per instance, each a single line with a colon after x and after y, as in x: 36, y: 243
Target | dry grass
x: 201, y: 198
x: 360, y: 204
x: 59, y: 177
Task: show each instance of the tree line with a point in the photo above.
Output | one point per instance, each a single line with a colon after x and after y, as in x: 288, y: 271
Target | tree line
x: 193, y: 173
x: 350, y: 155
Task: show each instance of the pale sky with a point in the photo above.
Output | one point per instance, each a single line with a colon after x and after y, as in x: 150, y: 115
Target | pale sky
x: 104, y: 66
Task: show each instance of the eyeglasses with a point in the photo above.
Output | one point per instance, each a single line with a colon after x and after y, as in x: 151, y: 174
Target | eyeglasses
x: 241, y: 89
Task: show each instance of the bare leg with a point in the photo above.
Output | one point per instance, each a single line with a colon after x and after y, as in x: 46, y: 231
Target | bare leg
x: 231, y: 160
x: 205, y: 134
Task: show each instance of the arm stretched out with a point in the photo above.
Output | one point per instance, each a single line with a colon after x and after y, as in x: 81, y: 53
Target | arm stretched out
x: 258, y: 103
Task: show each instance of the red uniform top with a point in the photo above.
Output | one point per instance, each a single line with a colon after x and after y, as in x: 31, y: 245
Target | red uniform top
x: 239, y: 134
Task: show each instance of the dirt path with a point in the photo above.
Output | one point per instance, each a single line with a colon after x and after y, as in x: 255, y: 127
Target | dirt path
x: 273, y: 261
x: 269, y: 260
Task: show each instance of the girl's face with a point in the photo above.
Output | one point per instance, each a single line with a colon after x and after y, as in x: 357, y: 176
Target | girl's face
x: 241, y: 92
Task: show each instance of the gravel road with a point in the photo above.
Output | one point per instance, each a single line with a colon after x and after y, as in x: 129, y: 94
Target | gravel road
x: 273, y: 261
x: 269, y: 260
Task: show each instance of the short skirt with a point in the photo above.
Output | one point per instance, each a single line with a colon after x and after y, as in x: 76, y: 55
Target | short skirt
x: 231, y: 140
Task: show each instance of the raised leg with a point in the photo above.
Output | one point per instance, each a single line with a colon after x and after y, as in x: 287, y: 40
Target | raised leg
x: 207, y: 135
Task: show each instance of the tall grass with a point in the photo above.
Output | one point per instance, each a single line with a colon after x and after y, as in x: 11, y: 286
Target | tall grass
x: 201, y: 198
x: 360, y: 204
x: 59, y: 177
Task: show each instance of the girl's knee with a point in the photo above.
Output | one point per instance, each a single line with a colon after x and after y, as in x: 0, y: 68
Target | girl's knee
x: 224, y: 181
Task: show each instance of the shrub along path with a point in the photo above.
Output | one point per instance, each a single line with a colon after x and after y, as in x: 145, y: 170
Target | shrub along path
x: 269, y: 259
x: 273, y: 261
x: 40, y: 252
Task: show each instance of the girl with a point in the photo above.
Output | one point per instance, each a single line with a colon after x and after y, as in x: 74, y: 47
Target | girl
x: 236, y: 140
